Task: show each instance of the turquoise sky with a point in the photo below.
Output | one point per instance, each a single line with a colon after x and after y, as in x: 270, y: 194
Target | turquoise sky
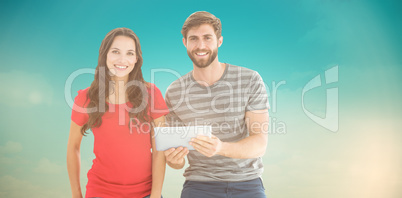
x: 288, y: 42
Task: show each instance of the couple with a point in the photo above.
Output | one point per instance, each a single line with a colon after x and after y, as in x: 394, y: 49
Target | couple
x: 231, y: 99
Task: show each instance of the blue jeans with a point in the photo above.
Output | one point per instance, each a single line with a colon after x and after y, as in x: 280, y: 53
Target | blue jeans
x: 247, y: 189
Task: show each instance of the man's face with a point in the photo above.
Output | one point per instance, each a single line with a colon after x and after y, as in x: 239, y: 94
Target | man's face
x: 202, y: 45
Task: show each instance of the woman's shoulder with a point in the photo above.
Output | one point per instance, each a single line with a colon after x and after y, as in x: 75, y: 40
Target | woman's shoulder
x: 81, y: 98
x: 83, y: 91
x: 152, y: 87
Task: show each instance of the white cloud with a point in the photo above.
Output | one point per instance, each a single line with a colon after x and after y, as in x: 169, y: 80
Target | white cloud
x: 48, y: 167
x: 361, y: 160
x: 11, y: 147
x: 24, y: 89
x: 12, y: 187
x: 10, y: 155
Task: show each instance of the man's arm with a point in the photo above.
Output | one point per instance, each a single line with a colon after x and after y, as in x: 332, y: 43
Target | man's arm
x: 252, y: 146
x: 174, y: 156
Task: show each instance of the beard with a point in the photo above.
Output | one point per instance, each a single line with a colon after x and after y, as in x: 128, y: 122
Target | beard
x: 202, y: 63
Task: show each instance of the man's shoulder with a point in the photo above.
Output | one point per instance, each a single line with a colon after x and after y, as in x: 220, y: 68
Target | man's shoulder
x: 241, y: 71
x: 179, y: 83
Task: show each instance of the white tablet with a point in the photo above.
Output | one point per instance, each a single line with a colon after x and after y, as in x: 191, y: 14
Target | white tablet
x: 172, y: 137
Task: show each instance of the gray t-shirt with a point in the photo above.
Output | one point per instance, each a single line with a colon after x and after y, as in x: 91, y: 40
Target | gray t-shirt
x: 223, y: 106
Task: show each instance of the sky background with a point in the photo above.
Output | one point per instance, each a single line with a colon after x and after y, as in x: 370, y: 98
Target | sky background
x: 288, y: 42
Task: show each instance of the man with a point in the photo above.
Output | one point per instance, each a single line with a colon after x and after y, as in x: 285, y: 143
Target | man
x: 231, y: 99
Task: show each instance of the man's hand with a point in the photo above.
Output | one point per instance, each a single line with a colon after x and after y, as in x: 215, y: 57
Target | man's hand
x: 208, y: 146
x: 175, y: 157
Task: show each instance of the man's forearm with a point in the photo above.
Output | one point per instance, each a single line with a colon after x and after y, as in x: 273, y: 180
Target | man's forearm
x: 250, y: 147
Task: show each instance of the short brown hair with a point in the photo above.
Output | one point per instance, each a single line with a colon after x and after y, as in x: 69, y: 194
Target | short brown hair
x: 199, y: 18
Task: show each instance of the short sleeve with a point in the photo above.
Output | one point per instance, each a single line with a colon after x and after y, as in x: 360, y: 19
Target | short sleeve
x: 158, y: 106
x: 79, y: 113
x: 257, y: 94
x: 172, y: 119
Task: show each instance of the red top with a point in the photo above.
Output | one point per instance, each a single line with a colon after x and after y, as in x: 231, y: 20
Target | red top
x: 123, y: 163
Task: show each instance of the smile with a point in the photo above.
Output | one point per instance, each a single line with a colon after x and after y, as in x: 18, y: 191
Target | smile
x: 201, y: 53
x: 120, y: 66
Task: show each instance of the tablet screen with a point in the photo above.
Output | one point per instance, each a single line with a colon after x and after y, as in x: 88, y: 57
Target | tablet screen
x: 172, y: 137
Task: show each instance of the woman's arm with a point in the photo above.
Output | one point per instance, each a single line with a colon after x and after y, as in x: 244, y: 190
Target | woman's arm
x: 158, y: 163
x: 74, y: 159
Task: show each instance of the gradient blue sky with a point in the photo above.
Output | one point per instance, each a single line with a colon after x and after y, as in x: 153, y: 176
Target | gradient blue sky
x: 42, y: 43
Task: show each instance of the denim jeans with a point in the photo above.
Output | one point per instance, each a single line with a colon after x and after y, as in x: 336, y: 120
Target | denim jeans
x: 247, y: 189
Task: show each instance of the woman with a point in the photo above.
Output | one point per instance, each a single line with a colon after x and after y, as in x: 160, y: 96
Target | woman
x: 117, y: 108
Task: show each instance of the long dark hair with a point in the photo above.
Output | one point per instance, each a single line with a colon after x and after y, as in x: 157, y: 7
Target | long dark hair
x: 98, y: 92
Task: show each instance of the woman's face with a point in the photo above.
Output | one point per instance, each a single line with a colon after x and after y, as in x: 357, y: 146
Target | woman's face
x: 121, y: 57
